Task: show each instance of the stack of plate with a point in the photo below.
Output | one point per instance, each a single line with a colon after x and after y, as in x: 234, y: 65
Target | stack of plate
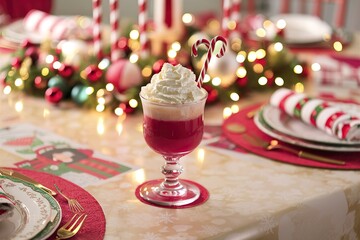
x: 277, y: 124
x: 36, y: 215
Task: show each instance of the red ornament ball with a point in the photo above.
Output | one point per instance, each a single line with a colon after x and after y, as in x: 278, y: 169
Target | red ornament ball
x: 158, y: 65
x: 33, y: 53
x: 212, y: 94
x: 40, y: 83
x: 16, y: 62
x: 242, y: 82
x: 66, y: 70
x: 123, y: 75
x: 93, y: 73
x: 53, y: 95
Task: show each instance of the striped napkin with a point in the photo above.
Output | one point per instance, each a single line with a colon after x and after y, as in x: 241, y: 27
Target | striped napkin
x: 322, y: 114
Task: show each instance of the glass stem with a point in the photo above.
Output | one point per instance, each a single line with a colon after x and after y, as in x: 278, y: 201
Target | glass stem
x: 171, y: 185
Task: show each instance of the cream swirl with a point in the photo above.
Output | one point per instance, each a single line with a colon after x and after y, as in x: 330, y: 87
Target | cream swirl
x: 173, y: 84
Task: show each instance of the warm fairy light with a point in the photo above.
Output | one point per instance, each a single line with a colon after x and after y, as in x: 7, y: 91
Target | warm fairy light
x: 49, y: 59
x: 241, y: 72
x: 338, y: 46
x: 258, y: 68
x: 171, y: 53
x: 133, y: 103
x: 100, y: 127
x: 235, y: 108
x: 299, y: 87
x: 134, y: 45
x: 19, y: 106
x: 227, y: 112
x: 236, y: 44
x: 110, y: 87
x: 251, y: 56
x: 103, y: 64
x: 267, y: 24
x: 231, y: 25
x: 216, y: 81
x: 315, y: 67
x: 119, y: 111
x: 200, y: 155
x: 234, y: 96
x: 240, y: 57
x: 281, y: 24
x: 18, y: 82
x: 100, y: 108
x: 279, y: 81
x: 56, y: 65
x: 207, y: 78
x: 134, y: 34
x: 176, y: 46
x: 11, y: 73
x: 269, y: 74
x: 298, y: 69
x: 89, y: 90
x: 133, y: 58
x: 100, y: 93
x: 146, y: 72
x: 101, y: 100
x: 260, y: 32
x: 46, y: 113
x: 7, y: 90
x: 260, y: 53
x: 187, y: 18
x: 262, y: 81
x: 139, y: 176
x: 45, y: 71
x: 119, y: 127
x: 278, y: 46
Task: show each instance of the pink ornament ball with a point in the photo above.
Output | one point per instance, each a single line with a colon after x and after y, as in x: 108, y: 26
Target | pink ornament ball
x: 53, y: 95
x: 123, y: 75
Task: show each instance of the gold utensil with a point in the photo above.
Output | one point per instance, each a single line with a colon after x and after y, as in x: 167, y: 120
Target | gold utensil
x: 275, y: 144
x: 74, y: 205
x: 12, y: 173
x: 71, y: 227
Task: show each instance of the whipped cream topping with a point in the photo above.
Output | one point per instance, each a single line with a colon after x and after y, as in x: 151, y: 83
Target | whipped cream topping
x: 173, y: 84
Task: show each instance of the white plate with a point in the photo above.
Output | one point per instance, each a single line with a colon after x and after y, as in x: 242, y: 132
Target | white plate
x: 36, y: 215
x: 265, y: 128
x: 303, y: 28
x: 282, y: 122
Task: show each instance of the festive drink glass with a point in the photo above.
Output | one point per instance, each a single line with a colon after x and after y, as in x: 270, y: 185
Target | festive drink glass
x: 172, y: 130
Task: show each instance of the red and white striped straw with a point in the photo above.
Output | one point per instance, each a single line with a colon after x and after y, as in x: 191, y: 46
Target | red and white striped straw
x: 96, y: 28
x: 226, y: 18
x: 211, y: 48
x: 236, y: 15
x: 144, y: 42
x: 114, y: 36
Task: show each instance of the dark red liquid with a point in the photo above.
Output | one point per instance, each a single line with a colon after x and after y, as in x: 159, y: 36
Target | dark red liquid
x: 173, y: 138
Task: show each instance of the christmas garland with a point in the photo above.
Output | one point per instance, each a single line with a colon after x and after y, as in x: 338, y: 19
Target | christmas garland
x: 59, y: 74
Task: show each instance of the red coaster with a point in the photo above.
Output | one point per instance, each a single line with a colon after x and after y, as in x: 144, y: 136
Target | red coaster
x: 352, y: 159
x: 204, y: 196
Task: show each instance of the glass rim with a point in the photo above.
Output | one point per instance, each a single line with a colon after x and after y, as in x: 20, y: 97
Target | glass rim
x: 175, y: 104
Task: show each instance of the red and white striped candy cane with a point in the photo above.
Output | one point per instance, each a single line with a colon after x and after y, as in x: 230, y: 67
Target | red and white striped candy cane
x: 114, y: 36
x: 211, y: 47
x: 236, y: 15
x: 226, y: 18
x: 96, y: 28
x: 144, y: 42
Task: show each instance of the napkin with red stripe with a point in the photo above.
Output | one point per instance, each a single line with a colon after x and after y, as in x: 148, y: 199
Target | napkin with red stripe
x: 56, y: 27
x: 319, y: 113
x: 6, y: 205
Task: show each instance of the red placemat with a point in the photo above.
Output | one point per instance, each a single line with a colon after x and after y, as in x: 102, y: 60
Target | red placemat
x: 352, y: 159
x: 94, y: 225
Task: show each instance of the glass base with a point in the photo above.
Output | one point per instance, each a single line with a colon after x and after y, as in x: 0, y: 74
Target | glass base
x: 153, y: 192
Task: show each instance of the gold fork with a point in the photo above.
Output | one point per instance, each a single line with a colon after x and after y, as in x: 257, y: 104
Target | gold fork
x: 71, y: 227
x: 74, y: 205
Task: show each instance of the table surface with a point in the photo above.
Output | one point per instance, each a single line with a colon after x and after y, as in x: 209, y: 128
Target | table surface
x: 250, y: 196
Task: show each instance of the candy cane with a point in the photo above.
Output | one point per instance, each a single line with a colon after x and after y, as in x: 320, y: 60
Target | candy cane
x: 226, y: 18
x: 96, y: 29
x: 114, y: 37
x: 211, y: 46
x: 235, y: 16
x: 144, y: 51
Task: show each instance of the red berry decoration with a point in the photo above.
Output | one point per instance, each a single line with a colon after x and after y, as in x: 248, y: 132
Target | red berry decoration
x: 33, y: 53
x: 53, y: 95
x: 26, y: 44
x: 93, y: 73
x: 66, y: 70
x: 242, y: 82
x: 16, y: 62
x: 40, y: 83
x: 123, y: 45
